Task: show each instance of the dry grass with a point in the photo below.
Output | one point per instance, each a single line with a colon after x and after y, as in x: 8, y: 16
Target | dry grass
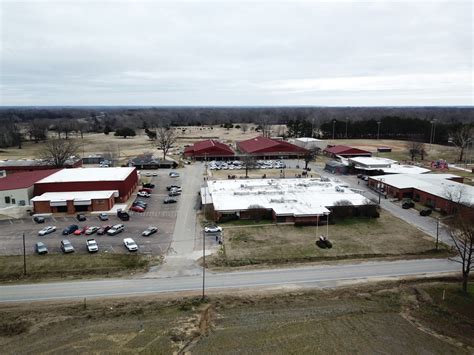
x: 364, y: 319
x: 352, y: 238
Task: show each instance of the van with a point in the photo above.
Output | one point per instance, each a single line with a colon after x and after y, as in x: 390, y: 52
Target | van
x: 116, y: 229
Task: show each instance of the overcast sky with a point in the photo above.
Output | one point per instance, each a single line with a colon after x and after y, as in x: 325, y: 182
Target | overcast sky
x: 236, y: 53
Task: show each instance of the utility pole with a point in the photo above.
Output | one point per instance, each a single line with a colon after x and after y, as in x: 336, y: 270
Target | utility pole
x: 24, y: 255
x: 437, y: 233
x: 378, y: 130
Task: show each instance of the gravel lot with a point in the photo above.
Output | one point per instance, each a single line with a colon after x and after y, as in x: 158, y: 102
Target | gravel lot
x: 158, y: 214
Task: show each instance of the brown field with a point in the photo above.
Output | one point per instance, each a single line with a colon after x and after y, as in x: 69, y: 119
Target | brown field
x: 351, y: 238
x: 385, y: 318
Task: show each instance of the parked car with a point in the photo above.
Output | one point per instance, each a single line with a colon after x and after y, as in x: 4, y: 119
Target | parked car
x: 174, y: 193
x: 137, y: 208
x: 169, y: 200
x: 130, y: 244
x: 122, y: 215
x: 103, y: 216
x: 66, y: 246
x: 41, y: 248
x: 174, y: 174
x: 92, y: 246
x: 149, y: 185
x: 80, y: 231
x: 149, y: 191
x: 70, y: 229
x: 116, y: 229
x: 102, y: 230
x: 143, y: 194
x: 140, y: 203
x: 91, y: 230
x: 212, y: 229
x: 81, y: 218
x: 408, y: 204
x: 38, y: 219
x: 168, y: 188
x: 47, y: 230
x: 149, y: 231
x: 425, y: 212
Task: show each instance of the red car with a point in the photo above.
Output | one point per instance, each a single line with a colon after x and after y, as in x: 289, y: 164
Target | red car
x: 137, y: 209
x: 80, y: 230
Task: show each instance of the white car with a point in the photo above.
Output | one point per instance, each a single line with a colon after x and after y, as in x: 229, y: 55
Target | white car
x: 149, y: 231
x: 174, y: 174
x: 91, y: 230
x: 212, y: 229
x: 47, y: 230
x: 92, y: 246
x: 130, y: 244
x: 143, y: 194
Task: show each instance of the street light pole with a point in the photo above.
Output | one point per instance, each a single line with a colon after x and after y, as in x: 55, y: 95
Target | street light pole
x: 437, y: 233
x: 24, y: 255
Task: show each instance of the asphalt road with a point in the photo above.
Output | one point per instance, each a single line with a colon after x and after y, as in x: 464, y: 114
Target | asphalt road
x: 316, y: 276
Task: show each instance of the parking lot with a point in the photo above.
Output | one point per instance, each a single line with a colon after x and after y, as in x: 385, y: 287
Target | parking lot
x: 157, y: 214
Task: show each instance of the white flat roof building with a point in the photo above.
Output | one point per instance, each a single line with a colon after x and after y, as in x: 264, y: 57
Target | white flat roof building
x: 88, y: 174
x: 309, y: 143
x: 286, y: 197
x: 434, y: 184
x: 60, y: 198
x: 388, y: 166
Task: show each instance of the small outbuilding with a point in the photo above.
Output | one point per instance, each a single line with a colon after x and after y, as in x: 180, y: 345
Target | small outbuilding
x: 336, y: 167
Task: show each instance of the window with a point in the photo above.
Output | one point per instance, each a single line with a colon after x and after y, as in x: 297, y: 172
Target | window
x: 7, y: 199
x: 13, y: 201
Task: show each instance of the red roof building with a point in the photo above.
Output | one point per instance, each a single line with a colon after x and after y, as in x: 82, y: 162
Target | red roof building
x: 346, y: 151
x: 22, y: 165
x: 267, y: 147
x: 210, y: 149
x: 17, y: 189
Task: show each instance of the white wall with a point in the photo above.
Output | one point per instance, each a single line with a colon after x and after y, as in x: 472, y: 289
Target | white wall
x: 18, y: 195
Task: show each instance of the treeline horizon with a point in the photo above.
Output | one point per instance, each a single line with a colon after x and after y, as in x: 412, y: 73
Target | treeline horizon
x: 423, y: 124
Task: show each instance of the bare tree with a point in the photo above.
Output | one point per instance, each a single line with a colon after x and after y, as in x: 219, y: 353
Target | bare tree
x: 57, y: 151
x: 454, y: 193
x: 166, y: 137
x: 462, y: 235
x: 244, y: 127
x: 414, y: 148
x: 461, y: 138
x: 266, y: 125
x: 37, y: 130
x: 311, y: 155
x: 248, y: 163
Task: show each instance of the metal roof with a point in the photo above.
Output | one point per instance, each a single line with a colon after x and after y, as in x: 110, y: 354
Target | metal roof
x: 24, y: 180
x: 88, y: 174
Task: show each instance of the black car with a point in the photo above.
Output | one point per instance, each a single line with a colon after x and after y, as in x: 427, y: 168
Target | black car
x: 122, y: 215
x: 170, y: 200
x: 81, y: 217
x: 38, y: 219
x: 70, y: 229
x: 425, y: 212
x: 149, y: 186
x: 408, y: 204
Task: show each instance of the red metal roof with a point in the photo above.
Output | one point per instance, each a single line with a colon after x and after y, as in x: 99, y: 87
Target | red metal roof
x: 346, y: 150
x: 210, y: 146
x: 25, y: 179
x: 266, y: 145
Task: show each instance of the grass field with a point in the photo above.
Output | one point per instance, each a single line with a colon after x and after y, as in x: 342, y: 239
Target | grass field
x: 59, y: 266
x: 351, y: 238
x: 365, y: 319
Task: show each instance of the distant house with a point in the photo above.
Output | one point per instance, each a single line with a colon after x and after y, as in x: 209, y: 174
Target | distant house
x: 208, y: 149
x: 149, y: 162
x: 263, y: 147
x: 346, y: 152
